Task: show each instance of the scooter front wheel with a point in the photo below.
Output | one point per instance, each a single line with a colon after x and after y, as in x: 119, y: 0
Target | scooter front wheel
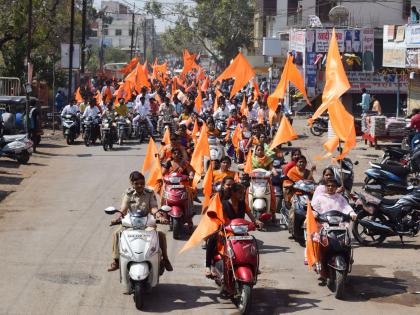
x: 243, y: 301
x: 138, y: 295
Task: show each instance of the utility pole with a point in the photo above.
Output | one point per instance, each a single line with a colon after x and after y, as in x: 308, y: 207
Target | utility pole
x: 132, y: 32
x: 71, y: 51
x: 28, y: 88
x: 84, y: 9
x: 144, y: 37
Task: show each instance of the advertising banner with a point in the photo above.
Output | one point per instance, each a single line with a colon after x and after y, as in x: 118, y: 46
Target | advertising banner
x: 368, y: 49
x: 412, y: 35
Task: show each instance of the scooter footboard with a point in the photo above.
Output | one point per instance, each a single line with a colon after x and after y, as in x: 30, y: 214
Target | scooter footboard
x: 139, y: 271
x: 244, y: 274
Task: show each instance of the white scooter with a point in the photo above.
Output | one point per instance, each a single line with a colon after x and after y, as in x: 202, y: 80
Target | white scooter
x: 259, y: 194
x: 140, y: 254
x: 217, y: 152
x: 16, y: 147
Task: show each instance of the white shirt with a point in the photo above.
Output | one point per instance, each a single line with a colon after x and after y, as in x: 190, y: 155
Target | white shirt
x: 142, y: 109
x: 147, y: 98
x: 219, y: 112
x: 70, y: 110
x: 91, y: 112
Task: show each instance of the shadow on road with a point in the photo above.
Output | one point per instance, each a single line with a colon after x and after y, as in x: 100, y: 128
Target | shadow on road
x: 179, y: 297
x: 271, y: 249
x: 50, y: 145
x: 9, y: 180
x: 366, y: 284
x: 279, y: 301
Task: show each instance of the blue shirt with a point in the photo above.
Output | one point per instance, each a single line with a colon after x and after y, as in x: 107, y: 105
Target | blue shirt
x: 365, y: 102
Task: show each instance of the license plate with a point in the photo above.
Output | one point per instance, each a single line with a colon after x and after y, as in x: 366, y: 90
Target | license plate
x: 241, y: 238
x: 176, y: 186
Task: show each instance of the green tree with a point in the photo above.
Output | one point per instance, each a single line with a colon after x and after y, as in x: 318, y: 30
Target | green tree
x: 220, y: 27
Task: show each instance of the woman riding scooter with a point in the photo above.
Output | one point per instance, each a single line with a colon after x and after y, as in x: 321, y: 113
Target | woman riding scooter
x: 233, y: 208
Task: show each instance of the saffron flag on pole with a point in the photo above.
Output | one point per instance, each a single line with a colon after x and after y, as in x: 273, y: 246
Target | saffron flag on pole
x: 312, y: 247
x: 208, y: 186
x: 151, y: 155
x: 241, y: 70
x: 207, y: 225
x: 284, y: 134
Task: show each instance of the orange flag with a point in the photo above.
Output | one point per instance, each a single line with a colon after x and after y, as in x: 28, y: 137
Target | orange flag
x: 151, y: 155
x: 241, y: 70
x: 343, y: 124
x: 271, y: 115
x: 78, y: 96
x: 208, y: 186
x: 201, y: 150
x: 292, y: 74
x: 195, y: 131
x: 256, y: 88
x: 216, y: 100
x: 141, y: 79
x: 127, y: 68
x: 189, y: 62
x: 207, y: 225
x: 155, y: 176
x: 248, y: 164
x: 244, y: 106
x: 166, y: 137
x: 145, y: 70
x: 336, y: 82
x: 330, y: 147
x: 198, y: 102
x: 312, y: 247
x: 174, y: 86
x: 205, y: 85
x: 236, y: 136
x: 284, y: 133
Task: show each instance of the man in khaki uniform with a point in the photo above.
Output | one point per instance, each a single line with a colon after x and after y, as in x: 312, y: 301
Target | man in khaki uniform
x: 138, y: 197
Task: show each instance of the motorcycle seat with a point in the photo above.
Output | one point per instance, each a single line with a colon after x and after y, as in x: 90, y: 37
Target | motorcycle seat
x: 388, y: 202
x: 394, y: 169
x: 397, y: 152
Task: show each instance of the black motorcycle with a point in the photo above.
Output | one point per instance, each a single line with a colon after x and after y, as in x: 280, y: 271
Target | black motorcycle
x: 336, y: 251
x: 379, y: 218
x: 71, y: 128
x: 109, y: 134
x: 91, y: 130
x: 123, y: 129
x: 303, y: 190
x: 142, y: 129
x: 319, y: 126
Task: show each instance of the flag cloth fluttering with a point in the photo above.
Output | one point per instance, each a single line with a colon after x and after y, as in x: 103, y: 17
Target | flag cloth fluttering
x: 151, y: 155
x: 336, y: 85
x: 207, y: 225
x: 292, y: 74
x: 240, y: 70
x: 312, y: 247
x: 284, y: 134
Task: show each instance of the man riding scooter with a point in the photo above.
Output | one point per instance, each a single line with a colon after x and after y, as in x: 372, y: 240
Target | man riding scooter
x: 135, y: 197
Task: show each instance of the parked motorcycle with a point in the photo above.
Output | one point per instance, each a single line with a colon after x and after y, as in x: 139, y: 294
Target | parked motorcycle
x: 91, y: 130
x: 236, y: 266
x: 176, y: 203
x: 71, y: 128
x: 109, y: 134
x: 390, y: 178
x: 336, y: 251
x: 16, y: 147
x: 319, y: 126
x: 259, y: 194
x: 140, y: 254
x: 379, y: 218
x: 303, y: 190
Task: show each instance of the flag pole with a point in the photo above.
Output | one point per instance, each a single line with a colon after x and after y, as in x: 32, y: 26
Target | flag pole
x: 341, y: 163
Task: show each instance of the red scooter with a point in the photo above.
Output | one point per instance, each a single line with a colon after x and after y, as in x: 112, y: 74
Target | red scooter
x: 175, y: 202
x: 236, y: 267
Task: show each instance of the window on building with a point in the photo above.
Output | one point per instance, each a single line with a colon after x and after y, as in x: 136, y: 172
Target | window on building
x: 105, y: 32
x: 118, y: 32
x: 406, y: 9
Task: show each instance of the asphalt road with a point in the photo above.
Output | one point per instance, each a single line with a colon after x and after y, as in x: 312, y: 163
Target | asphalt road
x: 56, y: 246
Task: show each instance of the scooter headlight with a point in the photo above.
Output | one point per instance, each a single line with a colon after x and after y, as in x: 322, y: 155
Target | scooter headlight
x: 153, y: 245
x: 240, y: 229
